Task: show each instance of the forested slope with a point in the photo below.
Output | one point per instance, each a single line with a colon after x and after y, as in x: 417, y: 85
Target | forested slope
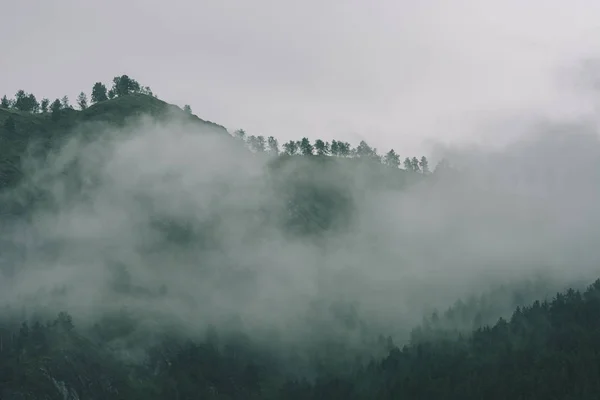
x: 151, y: 254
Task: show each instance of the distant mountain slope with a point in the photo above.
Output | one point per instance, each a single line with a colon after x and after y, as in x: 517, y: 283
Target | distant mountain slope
x: 547, y: 350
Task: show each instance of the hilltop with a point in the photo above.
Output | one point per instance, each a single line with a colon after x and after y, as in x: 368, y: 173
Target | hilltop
x: 20, y: 129
x: 115, y: 111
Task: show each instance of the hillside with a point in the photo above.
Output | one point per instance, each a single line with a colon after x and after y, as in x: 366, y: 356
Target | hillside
x: 546, y: 350
x: 193, y: 263
x: 44, y: 129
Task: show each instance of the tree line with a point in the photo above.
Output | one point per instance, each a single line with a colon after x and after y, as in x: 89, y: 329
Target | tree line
x: 121, y: 86
x: 336, y: 148
x: 124, y: 85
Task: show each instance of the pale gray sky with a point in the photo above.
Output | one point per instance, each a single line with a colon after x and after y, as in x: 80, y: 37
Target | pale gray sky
x: 395, y: 73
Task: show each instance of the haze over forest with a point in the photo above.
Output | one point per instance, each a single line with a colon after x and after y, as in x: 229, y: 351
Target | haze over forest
x: 147, y: 252
x: 133, y: 212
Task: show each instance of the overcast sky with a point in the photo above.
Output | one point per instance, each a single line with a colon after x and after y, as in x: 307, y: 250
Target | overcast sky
x: 396, y: 73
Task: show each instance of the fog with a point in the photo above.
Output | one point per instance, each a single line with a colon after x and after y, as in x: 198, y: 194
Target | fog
x: 98, y: 244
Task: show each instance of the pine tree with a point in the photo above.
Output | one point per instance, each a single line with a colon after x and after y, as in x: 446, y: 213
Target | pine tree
x: 424, y: 165
x: 392, y: 159
x: 99, y: 93
x: 44, y: 105
x: 273, y: 145
x: 306, y: 147
x: 65, y: 102
x: 321, y: 147
x: 5, y: 102
x: 415, y: 164
x: 82, y: 101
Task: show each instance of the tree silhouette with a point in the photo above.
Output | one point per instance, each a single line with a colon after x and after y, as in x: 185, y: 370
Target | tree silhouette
x: 273, y: 145
x: 55, y: 108
x: 26, y: 102
x: 344, y: 149
x: 124, y: 85
x: 257, y: 143
x: 424, y: 164
x: 44, y: 105
x: 240, y: 134
x: 5, y: 102
x: 291, y: 147
x: 65, y: 102
x: 321, y: 147
x: 82, y: 101
x: 99, y: 93
x: 392, y: 159
x: 415, y: 164
x: 306, y: 148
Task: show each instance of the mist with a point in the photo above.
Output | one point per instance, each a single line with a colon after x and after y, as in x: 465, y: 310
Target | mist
x: 183, y: 228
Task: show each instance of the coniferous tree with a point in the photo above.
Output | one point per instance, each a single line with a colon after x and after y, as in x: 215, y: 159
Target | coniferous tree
x: 5, y: 102
x: 344, y: 149
x: 291, y: 147
x: 321, y: 147
x: 415, y: 164
x: 363, y: 150
x: 44, y: 105
x: 273, y: 145
x: 82, y: 101
x: 408, y: 164
x: 26, y: 102
x: 20, y: 102
x: 335, y: 150
x: 257, y: 143
x: 33, y: 103
x: 424, y: 164
x: 306, y: 148
x: 55, y: 108
x: 187, y: 108
x: 392, y: 159
x: 99, y: 93
x: 65, y: 102
x: 124, y: 85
